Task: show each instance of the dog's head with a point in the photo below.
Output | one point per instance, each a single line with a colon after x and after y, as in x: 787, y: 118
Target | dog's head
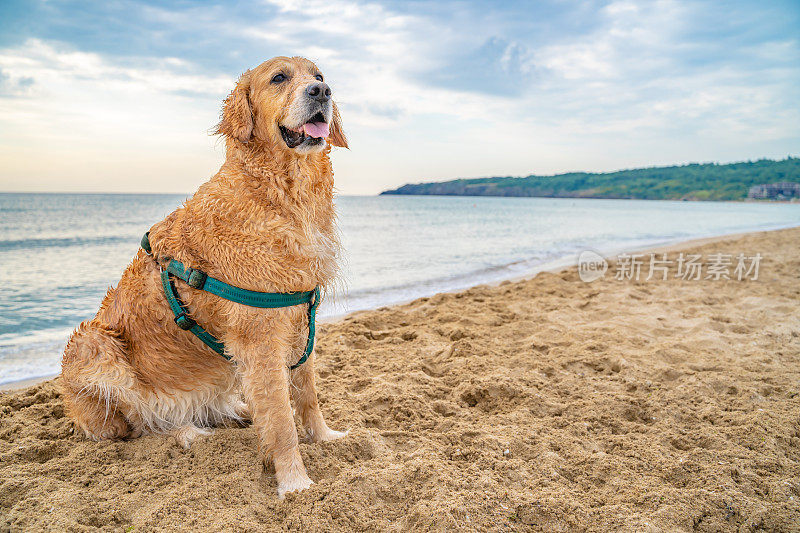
x: 285, y: 103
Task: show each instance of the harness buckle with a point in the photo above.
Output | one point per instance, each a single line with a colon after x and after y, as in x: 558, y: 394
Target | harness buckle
x: 197, y: 278
x: 145, y: 244
x: 185, y: 322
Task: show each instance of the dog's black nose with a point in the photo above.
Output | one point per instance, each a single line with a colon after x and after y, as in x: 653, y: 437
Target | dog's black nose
x: 319, y: 92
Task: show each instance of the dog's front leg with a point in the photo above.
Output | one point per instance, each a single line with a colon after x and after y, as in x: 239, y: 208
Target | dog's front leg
x: 304, y: 393
x: 261, y: 359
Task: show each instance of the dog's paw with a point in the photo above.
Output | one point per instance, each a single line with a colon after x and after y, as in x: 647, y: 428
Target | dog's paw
x: 113, y: 428
x: 298, y: 483
x: 187, y: 435
x: 242, y: 411
x: 327, y: 434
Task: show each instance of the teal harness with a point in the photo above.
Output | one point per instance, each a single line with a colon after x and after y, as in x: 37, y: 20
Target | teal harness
x: 199, y: 280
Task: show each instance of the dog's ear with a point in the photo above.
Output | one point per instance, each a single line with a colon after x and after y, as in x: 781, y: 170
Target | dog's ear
x: 336, y: 137
x: 237, y: 115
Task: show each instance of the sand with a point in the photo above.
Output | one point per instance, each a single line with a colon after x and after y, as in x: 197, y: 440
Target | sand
x: 548, y: 404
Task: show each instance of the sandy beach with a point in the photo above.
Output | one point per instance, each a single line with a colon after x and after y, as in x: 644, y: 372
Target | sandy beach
x: 547, y: 404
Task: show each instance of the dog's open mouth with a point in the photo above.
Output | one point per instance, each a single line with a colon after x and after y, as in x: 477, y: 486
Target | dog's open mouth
x: 314, y: 131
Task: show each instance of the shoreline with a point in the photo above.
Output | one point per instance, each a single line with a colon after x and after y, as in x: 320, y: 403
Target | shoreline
x: 555, y: 266
x: 13, y: 386
x: 565, y: 263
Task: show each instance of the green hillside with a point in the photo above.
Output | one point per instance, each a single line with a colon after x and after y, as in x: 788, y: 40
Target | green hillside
x: 708, y: 181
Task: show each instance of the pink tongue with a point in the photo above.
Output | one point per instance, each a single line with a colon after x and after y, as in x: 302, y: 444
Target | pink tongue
x: 316, y: 129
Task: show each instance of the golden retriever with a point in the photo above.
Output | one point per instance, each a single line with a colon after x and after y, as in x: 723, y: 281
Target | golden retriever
x: 265, y: 222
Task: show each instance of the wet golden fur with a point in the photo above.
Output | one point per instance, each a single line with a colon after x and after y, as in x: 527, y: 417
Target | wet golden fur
x: 264, y: 222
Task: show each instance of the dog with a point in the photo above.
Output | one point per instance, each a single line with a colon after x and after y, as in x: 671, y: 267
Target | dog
x: 265, y: 222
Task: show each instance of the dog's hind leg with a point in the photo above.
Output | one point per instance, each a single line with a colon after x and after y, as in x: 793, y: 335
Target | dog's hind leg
x: 96, y: 380
x: 93, y: 413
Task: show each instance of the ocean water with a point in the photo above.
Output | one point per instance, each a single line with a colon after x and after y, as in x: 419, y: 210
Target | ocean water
x: 60, y: 252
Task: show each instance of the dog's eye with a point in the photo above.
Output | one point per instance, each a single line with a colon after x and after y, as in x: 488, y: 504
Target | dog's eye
x: 319, y: 77
x: 279, y: 78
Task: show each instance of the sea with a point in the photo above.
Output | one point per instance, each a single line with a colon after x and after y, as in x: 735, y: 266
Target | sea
x: 59, y: 253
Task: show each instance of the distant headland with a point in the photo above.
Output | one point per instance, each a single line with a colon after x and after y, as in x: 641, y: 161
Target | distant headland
x: 706, y: 181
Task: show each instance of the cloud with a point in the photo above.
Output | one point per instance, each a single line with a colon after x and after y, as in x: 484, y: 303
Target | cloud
x: 496, y: 67
x: 635, y: 66
x: 54, y: 62
x: 17, y: 86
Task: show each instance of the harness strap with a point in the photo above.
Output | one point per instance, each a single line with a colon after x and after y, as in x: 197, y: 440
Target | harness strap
x: 184, y: 321
x: 200, y: 280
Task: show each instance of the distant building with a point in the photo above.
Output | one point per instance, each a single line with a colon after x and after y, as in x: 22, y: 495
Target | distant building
x: 775, y: 191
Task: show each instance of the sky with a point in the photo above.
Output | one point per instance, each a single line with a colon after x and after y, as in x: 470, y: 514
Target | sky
x: 121, y: 96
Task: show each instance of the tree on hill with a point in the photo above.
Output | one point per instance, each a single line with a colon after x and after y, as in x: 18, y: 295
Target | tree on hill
x: 707, y: 181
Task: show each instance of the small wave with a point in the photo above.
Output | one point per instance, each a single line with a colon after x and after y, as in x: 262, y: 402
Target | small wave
x: 20, y: 244
x: 357, y: 300
x: 36, y: 354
